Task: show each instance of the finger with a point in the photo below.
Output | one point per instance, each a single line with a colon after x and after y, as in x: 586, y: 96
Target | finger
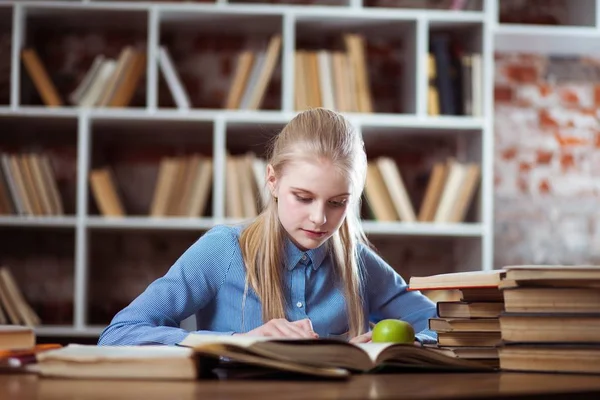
x: 306, y: 325
x: 294, y: 330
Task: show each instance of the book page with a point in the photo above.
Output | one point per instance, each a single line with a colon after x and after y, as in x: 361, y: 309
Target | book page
x: 91, y: 353
x: 373, y: 349
x: 196, y: 340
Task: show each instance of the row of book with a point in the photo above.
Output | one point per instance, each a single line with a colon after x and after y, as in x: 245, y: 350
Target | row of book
x: 184, y: 184
x: 28, y: 185
x: 336, y: 80
x: 107, y: 83
x: 542, y: 318
x: 14, y: 308
x: 455, y: 80
x: 450, y: 191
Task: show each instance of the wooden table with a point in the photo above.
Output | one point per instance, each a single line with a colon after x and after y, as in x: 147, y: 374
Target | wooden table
x: 400, y: 386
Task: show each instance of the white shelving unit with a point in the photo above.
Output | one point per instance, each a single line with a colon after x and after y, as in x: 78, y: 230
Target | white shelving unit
x: 473, y: 135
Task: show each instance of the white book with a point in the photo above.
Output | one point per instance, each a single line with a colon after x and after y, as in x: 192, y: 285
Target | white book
x: 456, y: 178
x: 395, y: 186
x: 167, y: 67
x: 259, y: 61
x: 92, y: 95
x: 477, y: 85
x: 325, y: 81
x: 87, y: 80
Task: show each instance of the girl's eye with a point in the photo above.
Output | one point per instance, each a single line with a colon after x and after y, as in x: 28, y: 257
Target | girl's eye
x: 341, y: 203
x: 303, y: 199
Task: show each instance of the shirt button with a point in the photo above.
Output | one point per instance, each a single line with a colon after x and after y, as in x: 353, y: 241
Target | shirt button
x: 299, y: 304
x: 303, y: 257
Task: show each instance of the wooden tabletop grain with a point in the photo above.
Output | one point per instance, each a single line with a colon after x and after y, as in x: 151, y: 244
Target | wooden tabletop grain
x: 375, y: 386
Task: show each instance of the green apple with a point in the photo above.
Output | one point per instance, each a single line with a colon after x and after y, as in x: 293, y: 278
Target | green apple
x: 394, y: 331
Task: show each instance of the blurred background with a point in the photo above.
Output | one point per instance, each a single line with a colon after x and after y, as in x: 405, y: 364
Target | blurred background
x: 130, y: 128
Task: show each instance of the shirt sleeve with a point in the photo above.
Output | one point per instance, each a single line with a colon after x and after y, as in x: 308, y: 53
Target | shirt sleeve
x: 387, y: 296
x: 191, y: 283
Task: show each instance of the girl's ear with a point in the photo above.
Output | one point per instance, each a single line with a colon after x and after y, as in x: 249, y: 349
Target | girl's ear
x: 271, y: 180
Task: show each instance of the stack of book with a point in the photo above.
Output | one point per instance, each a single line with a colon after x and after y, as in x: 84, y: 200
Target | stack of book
x: 552, y: 319
x: 468, y: 328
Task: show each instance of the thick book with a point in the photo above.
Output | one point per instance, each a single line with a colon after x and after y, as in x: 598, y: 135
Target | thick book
x: 457, y: 280
x: 326, y: 354
x: 117, y: 362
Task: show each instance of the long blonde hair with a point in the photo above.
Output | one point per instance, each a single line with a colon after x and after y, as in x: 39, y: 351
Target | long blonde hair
x: 322, y: 134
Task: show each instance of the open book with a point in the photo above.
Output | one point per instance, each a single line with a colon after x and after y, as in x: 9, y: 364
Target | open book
x: 328, y: 357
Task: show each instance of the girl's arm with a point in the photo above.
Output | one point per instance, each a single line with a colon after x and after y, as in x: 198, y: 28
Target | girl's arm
x: 190, y: 284
x: 387, y: 297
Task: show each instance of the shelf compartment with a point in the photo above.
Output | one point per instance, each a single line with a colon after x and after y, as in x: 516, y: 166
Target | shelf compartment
x: 39, y: 165
x: 455, y: 69
x: 469, y: 5
x: 423, y: 157
x: 332, y: 52
x: 5, y: 53
x: 70, y: 40
x: 44, y: 276
x: 134, y: 152
x: 205, y: 49
x: 572, y: 13
x: 318, y: 3
x: 245, y: 166
x: 122, y: 264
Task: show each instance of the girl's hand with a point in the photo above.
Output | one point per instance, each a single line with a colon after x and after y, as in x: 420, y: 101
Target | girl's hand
x: 283, y: 328
x: 364, y: 338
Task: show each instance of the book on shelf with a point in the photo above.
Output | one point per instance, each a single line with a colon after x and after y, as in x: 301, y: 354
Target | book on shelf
x: 28, y: 185
x: 183, y: 186
x: 180, y: 95
x: 454, y: 78
x: 450, y: 191
x: 105, y: 192
x: 111, y: 82
x: 333, y: 78
x: 252, y: 75
x: 40, y: 77
x: 245, y: 191
x: 14, y: 308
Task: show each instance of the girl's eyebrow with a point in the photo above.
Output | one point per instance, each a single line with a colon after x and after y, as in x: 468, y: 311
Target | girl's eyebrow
x: 311, y: 193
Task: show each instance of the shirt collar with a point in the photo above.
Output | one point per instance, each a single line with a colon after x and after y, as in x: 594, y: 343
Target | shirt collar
x: 294, y: 255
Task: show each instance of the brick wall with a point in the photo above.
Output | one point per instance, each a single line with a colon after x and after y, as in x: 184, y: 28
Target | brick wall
x: 547, y: 161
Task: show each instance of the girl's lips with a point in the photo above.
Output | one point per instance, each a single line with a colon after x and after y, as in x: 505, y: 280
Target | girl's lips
x: 314, y: 234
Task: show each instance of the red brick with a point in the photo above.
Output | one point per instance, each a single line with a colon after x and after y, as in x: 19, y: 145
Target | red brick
x: 567, y: 161
x: 545, y: 89
x: 522, y: 185
x: 544, y: 186
x: 521, y: 73
x: 597, y: 95
x: 546, y: 121
x: 503, y: 94
x: 544, y: 157
x: 569, y: 97
x: 597, y: 141
x: 510, y: 153
x: 524, y: 167
x: 565, y: 141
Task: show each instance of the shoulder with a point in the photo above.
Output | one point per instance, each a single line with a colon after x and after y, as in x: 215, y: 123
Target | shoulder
x: 220, y: 241
x: 372, y: 263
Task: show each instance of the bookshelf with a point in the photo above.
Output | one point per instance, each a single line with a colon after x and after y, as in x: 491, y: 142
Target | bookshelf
x: 132, y: 140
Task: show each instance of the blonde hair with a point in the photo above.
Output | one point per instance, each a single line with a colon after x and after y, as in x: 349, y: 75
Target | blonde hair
x: 322, y: 134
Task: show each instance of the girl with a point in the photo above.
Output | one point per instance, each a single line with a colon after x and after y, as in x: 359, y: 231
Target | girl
x: 303, y: 268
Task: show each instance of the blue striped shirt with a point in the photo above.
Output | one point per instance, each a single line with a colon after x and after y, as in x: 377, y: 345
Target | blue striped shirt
x: 208, y: 280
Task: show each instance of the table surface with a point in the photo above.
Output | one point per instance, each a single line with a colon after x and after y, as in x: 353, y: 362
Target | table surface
x: 374, y: 386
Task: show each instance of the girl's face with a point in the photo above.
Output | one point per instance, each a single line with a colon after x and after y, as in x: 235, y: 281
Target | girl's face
x: 313, y: 198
